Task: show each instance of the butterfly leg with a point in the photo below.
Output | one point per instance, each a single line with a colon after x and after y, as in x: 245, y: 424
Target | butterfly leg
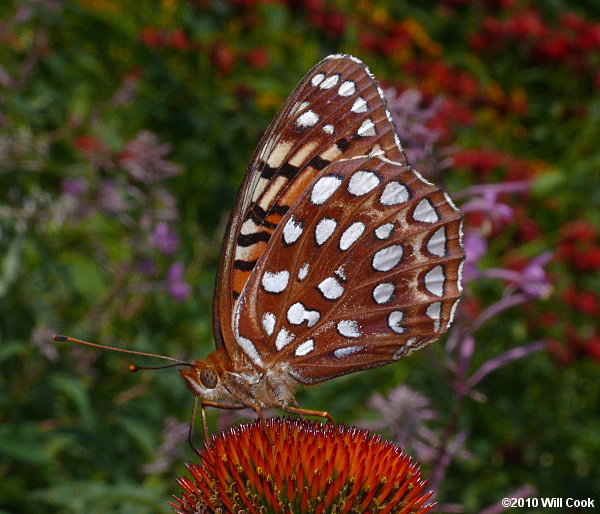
x: 307, y: 412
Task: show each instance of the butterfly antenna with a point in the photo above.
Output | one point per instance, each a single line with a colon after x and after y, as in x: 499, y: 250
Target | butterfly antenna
x: 132, y: 367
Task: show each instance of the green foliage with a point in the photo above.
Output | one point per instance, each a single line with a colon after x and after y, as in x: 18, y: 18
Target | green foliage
x: 85, y: 84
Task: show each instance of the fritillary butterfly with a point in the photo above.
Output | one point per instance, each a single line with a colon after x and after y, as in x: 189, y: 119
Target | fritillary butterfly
x: 338, y: 255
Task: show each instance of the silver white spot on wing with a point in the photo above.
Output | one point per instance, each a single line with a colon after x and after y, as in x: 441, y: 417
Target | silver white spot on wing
x: 366, y: 129
x: 360, y: 105
x: 437, y: 243
x: 450, y: 202
x: 328, y: 129
x: 459, y: 283
x: 303, y: 271
x: 348, y: 328
x: 453, y: 311
x: 330, y: 81
x: 434, y: 280
x: 400, y: 352
x: 307, y: 119
x: 347, y: 88
x: 340, y: 353
x: 394, y: 193
x: 341, y: 273
x: 306, y: 347
x: 383, y: 293
x: 351, y: 234
x: 317, y: 79
x: 330, y: 288
x: 362, y: 182
x: 268, y: 321
x: 284, y: 337
x: 292, y: 231
x: 275, y: 282
x: 425, y: 212
x: 298, y: 314
x: 384, y: 231
x: 245, y: 344
x: 394, y: 320
x: 387, y: 258
x: 324, y: 229
x: 324, y: 188
x: 434, y: 311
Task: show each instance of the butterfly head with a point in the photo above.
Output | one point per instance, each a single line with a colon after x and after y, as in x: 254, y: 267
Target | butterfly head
x: 202, y: 379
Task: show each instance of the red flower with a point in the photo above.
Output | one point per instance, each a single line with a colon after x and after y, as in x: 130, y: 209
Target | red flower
x: 258, y: 58
x: 223, y: 57
x: 179, y: 40
x: 86, y: 143
x: 562, y: 354
x: 527, y: 25
x: 579, y: 232
x: 529, y: 230
x: 569, y: 296
x: 587, y: 259
x: 556, y: 48
x: 151, y: 37
x: 588, y: 303
x: 593, y: 348
x: 298, y: 466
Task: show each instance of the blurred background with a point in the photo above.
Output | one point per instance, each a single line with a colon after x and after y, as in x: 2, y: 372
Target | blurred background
x: 125, y: 131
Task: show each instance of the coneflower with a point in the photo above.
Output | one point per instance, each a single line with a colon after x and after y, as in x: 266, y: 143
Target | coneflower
x: 294, y: 465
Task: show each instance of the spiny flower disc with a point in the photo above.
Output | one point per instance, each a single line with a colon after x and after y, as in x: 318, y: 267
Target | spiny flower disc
x: 296, y: 466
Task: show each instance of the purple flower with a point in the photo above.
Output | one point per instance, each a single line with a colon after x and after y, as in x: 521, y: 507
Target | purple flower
x: 143, y: 159
x: 73, y: 187
x: 176, y: 286
x: 147, y: 267
x: 110, y: 198
x: 485, y: 198
x: 406, y: 414
x: 411, y: 119
x: 164, y: 239
x: 534, y: 280
x: 475, y: 247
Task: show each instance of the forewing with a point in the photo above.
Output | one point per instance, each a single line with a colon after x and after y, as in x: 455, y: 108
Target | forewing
x: 336, y: 112
x: 363, y: 270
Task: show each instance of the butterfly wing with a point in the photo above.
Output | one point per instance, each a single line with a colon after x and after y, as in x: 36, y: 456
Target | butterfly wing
x: 363, y: 269
x: 336, y: 112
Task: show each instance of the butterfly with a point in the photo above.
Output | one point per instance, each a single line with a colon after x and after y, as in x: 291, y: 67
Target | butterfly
x: 338, y: 256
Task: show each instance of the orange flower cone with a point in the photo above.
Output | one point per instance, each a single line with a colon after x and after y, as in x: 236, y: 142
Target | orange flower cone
x: 296, y: 466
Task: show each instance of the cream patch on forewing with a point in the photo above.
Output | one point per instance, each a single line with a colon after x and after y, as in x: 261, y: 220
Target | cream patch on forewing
x: 279, y: 154
x: 331, y: 154
x: 272, y: 192
x: 299, y: 159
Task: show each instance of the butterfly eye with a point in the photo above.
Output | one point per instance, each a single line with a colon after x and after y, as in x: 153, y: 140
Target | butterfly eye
x: 209, y: 378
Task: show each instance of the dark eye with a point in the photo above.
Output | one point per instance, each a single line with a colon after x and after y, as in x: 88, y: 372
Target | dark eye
x: 209, y: 378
